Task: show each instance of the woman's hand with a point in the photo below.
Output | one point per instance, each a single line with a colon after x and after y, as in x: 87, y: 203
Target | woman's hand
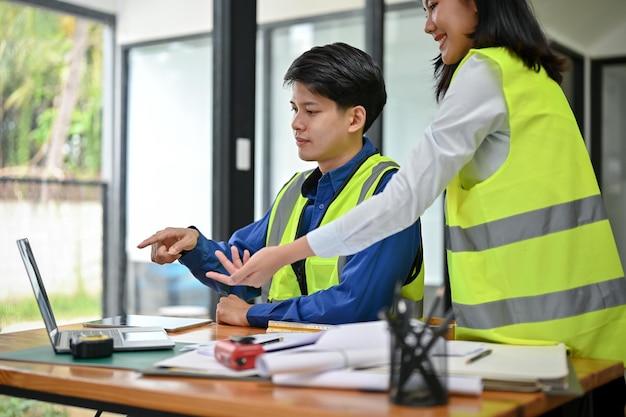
x: 262, y: 265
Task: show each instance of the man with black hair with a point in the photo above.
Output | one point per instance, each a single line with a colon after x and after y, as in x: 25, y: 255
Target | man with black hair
x: 337, y: 93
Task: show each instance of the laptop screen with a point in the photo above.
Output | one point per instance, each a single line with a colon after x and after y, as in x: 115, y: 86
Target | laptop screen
x: 40, y: 292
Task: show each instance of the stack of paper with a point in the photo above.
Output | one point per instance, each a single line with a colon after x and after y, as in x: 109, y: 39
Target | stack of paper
x: 357, y: 356
x: 352, y: 356
x: 371, y: 379
x: 347, y: 346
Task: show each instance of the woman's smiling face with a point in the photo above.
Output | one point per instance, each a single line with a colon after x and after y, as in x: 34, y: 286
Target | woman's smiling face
x: 450, y: 22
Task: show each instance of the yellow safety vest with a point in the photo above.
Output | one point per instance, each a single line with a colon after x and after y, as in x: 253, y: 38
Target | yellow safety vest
x: 322, y: 273
x: 531, y: 254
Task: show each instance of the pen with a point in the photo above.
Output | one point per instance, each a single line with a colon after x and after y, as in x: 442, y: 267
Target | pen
x: 479, y: 356
x: 265, y: 342
x: 247, y: 340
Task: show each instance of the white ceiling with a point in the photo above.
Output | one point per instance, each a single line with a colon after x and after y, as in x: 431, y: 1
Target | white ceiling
x: 585, y: 22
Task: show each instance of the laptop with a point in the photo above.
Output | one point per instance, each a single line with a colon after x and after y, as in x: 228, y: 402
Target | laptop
x: 124, y: 339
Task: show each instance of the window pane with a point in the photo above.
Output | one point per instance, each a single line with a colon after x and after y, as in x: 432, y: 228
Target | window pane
x: 614, y: 151
x: 410, y: 107
x: 169, y: 164
x: 51, y: 76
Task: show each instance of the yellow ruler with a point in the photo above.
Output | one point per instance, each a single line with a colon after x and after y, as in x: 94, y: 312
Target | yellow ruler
x: 275, y: 326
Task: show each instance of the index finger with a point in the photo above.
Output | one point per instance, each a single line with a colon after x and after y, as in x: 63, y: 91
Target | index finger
x: 149, y: 241
x: 155, y: 238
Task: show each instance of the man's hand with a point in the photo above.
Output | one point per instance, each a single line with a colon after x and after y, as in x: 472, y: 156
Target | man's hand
x: 168, y: 243
x: 232, y: 310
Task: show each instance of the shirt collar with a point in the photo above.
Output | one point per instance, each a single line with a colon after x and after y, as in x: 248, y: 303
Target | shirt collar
x: 338, y: 175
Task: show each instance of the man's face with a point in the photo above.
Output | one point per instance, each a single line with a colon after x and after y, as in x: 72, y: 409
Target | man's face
x: 323, y: 132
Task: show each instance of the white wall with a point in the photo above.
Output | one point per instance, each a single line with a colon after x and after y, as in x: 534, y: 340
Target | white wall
x: 143, y: 20
x: 278, y: 10
x: 612, y: 45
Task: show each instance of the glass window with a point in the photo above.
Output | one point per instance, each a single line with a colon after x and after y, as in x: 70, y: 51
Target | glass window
x: 53, y: 71
x: 169, y: 131
x: 410, y: 107
x: 614, y: 151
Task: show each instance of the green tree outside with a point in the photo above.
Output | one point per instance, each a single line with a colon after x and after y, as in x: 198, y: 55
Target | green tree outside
x: 50, y: 94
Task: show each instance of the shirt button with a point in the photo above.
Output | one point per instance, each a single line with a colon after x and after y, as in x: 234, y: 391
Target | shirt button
x: 321, y: 207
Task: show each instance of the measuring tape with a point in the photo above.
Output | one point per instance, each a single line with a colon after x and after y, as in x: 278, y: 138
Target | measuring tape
x: 91, y: 346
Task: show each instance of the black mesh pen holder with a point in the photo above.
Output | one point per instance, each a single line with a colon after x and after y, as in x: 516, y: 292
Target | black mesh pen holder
x: 418, y: 361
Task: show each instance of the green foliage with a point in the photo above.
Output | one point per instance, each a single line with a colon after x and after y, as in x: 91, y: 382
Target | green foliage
x: 34, y: 58
x: 39, y: 133
x: 18, y: 407
x: 65, y: 306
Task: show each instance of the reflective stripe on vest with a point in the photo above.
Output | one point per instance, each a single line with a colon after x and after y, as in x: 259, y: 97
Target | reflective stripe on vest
x: 526, y: 225
x: 556, y: 305
x: 285, y: 203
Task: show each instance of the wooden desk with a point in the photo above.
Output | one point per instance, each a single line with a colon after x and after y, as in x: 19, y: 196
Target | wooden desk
x: 127, y: 392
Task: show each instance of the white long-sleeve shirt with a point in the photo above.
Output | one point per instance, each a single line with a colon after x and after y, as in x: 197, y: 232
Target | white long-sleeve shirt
x: 470, y: 135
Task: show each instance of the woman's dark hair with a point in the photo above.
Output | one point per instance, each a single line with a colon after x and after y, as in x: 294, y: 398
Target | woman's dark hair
x: 510, y: 24
x: 344, y: 74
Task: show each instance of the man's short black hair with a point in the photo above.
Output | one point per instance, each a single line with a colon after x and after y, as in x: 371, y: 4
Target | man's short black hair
x: 344, y: 74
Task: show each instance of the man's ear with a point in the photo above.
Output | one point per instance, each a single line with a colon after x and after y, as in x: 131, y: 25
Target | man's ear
x: 357, y: 118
